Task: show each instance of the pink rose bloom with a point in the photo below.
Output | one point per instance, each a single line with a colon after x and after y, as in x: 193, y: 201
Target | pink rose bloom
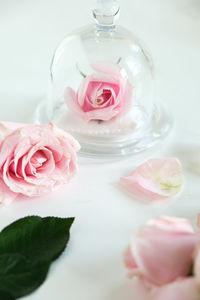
x: 102, y: 95
x: 35, y: 159
x: 162, y: 255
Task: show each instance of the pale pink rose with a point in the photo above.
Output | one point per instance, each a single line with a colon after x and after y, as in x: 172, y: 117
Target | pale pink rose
x: 103, y: 95
x: 162, y: 251
x: 183, y: 289
x: 155, y: 179
x: 35, y: 159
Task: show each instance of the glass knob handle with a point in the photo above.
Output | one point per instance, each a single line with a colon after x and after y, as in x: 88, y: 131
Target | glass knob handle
x: 105, y: 12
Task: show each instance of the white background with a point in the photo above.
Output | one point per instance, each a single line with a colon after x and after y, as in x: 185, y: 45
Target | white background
x: 92, y: 267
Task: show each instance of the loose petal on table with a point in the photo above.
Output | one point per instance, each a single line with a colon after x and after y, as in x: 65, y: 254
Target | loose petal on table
x: 156, y: 179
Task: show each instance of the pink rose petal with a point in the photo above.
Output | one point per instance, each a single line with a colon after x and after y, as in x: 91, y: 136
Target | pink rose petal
x: 197, y: 265
x: 185, y: 289
x: 171, y: 224
x: 107, y: 68
x: 156, y: 179
x: 130, y: 263
x: 8, y: 127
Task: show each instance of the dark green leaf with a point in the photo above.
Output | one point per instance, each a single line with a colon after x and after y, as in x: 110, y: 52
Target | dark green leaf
x: 19, y: 276
x: 40, y: 239
x: 5, y: 296
x: 27, y: 248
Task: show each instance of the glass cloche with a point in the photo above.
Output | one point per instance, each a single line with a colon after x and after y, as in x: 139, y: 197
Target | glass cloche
x: 102, y: 89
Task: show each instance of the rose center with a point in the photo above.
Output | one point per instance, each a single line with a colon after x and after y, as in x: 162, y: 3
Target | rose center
x: 38, y: 159
x: 104, y: 97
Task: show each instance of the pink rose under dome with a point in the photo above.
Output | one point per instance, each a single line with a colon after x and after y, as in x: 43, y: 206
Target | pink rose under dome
x: 103, y: 95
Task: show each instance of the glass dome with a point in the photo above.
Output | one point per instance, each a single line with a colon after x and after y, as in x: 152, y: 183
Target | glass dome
x: 102, y: 89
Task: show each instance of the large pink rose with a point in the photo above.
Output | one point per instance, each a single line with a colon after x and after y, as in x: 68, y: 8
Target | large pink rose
x: 34, y: 159
x: 103, y: 95
x: 163, y: 254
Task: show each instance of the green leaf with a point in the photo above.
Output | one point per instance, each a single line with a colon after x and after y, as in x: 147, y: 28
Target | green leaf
x: 5, y: 296
x: 27, y: 248
x: 40, y: 239
x: 19, y: 276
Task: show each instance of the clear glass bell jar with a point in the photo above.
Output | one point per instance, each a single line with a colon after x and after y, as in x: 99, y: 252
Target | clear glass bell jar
x: 102, y: 89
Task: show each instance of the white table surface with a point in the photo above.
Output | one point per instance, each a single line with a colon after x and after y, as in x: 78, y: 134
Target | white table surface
x: 92, y: 268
